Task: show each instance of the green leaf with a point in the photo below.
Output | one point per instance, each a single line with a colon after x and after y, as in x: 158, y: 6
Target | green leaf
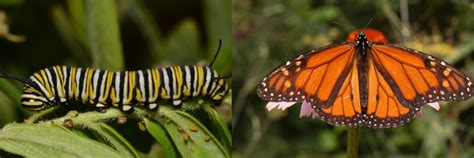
x: 182, y: 46
x: 104, y: 32
x: 47, y: 140
x: 7, y: 3
x: 79, y: 18
x: 219, y: 126
x: 159, y: 133
x: 7, y: 109
x: 69, y: 34
x: 217, y: 16
x: 13, y: 93
x: 147, y: 25
x: 10, y: 89
x: 218, y: 24
x: 464, y: 50
x: 114, y: 138
x: 189, y: 135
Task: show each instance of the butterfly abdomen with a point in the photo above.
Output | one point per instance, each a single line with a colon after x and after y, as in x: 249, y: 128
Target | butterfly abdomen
x: 363, y: 57
x: 123, y: 89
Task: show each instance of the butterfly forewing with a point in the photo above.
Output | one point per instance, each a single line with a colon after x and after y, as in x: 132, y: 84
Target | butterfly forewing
x: 315, y: 76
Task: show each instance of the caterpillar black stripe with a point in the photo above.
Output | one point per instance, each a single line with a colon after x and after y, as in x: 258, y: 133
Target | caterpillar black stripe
x: 122, y: 89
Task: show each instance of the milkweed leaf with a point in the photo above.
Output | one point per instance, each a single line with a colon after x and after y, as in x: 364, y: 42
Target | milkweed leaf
x: 42, y: 140
x: 189, y: 135
x: 114, y: 138
x: 159, y: 133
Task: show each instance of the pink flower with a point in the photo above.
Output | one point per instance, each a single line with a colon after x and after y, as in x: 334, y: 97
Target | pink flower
x: 279, y: 105
x: 435, y: 105
x: 306, y: 109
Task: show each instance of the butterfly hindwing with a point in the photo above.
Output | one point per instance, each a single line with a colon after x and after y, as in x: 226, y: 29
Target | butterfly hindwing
x: 346, y: 109
x: 384, y: 109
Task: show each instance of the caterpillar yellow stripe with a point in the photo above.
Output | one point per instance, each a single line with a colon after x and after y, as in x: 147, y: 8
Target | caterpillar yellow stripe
x: 121, y: 89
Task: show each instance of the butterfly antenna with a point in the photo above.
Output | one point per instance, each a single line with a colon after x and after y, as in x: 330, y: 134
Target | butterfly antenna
x: 217, y: 53
x: 368, y: 23
x: 346, y: 27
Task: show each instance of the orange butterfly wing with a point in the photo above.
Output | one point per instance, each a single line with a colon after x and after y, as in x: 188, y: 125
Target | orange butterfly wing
x: 419, y: 78
x: 346, y: 108
x: 399, y: 80
x: 402, y: 79
x: 383, y: 107
x: 315, y: 76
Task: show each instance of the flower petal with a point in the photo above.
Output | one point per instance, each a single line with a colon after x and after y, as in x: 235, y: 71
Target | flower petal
x: 279, y: 105
x: 307, y: 111
x: 435, y: 105
x: 271, y: 105
x: 419, y: 113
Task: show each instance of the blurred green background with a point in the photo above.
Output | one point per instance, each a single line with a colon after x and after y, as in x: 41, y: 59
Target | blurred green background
x: 153, y: 34
x: 266, y: 33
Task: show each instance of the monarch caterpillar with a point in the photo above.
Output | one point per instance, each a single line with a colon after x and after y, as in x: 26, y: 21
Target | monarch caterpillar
x: 122, y: 89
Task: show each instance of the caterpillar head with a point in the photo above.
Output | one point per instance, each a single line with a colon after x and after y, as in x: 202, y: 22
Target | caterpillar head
x: 221, y: 90
x: 33, y: 99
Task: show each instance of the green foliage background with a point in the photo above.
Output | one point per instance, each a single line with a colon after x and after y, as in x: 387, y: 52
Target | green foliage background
x: 269, y: 32
x: 115, y: 35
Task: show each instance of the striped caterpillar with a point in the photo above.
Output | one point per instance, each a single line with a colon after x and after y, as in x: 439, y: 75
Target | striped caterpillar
x: 102, y: 88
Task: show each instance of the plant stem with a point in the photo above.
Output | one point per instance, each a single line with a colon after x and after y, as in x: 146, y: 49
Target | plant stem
x: 88, y: 117
x: 352, y: 142
x: 34, y: 118
x: 104, y: 34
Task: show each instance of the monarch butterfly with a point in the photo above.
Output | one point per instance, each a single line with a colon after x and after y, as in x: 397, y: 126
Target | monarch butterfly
x: 102, y: 88
x: 364, y: 81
